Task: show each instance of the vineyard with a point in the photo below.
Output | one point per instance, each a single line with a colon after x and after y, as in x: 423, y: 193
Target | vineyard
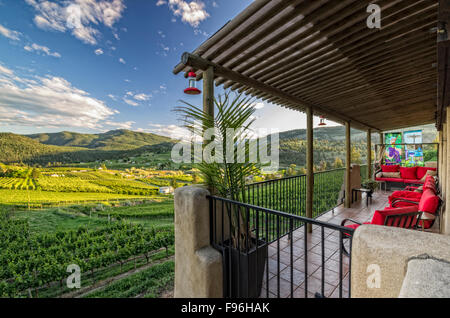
x: 31, y: 262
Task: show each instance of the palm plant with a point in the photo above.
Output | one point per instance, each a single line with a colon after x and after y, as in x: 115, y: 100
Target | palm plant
x: 226, y: 177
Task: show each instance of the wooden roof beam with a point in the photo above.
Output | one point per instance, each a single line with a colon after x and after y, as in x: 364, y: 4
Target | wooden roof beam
x: 197, y: 62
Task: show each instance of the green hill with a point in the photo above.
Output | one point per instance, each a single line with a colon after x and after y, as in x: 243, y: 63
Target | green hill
x: 113, y: 145
x: 111, y: 140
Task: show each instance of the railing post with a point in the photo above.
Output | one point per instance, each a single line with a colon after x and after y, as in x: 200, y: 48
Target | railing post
x: 309, y: 166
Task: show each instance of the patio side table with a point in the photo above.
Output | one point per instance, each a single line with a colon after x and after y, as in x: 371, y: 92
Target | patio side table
x: 368, y: 193
x: 385, y: 185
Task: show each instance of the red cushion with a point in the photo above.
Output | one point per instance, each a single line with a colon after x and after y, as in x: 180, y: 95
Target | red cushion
x: 408, y: 173
x: 415, y: 181
x: 421, y: 171
x: 429, y: 201
x: 379, y: 217
x: 389, y: 179
x: 430, y: 183
x: 355, y: 225
x: 391, y: 168
x: 410, y: 195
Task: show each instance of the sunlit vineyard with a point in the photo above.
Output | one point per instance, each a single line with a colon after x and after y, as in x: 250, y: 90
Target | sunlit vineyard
x: 31, y: 262
x: 37, y: 198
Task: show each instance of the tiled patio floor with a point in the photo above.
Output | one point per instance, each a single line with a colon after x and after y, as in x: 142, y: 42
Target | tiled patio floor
x: 358, y: 212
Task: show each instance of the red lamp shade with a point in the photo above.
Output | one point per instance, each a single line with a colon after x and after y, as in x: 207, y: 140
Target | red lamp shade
x: 192, y: 90
x: 322, y: 121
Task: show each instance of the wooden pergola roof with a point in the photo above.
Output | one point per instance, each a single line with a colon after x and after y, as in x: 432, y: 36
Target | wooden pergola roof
x: 321, y: 54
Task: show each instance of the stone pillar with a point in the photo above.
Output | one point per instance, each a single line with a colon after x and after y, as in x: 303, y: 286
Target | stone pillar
x: 198, y: 266
x: 380, y: 257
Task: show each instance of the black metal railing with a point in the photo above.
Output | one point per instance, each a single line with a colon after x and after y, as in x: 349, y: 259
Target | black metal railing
x: 289, y: 194
x: 263, y: 258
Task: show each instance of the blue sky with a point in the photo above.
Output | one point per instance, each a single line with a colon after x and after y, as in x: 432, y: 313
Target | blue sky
x: 97, y: 65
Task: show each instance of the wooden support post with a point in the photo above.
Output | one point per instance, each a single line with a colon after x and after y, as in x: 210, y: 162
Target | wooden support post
x: 309, y: 166
x: 369, y: 154
x: 208, y: 91
x: 445, y: 221
x: 348, y: 161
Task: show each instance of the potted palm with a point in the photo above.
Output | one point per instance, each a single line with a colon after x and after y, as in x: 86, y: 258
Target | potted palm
x: 242, y: 250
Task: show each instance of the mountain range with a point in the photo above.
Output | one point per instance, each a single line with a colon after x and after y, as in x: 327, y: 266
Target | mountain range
x: 71, y: 147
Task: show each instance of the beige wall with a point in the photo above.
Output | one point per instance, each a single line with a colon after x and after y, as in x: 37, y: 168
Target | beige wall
x: 380, y: 256
x: 198, y: 266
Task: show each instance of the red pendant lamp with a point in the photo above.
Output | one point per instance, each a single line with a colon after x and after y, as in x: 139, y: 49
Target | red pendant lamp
x: 192, y: 89
x: 322, y: 121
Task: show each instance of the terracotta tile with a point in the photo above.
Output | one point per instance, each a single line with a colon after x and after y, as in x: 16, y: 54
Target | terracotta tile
x: 300, y: 266
x: 285, y: 287
x: 273, y: 266
x: 298, y: 276
x: 300, y: 293
x: 314, y: 285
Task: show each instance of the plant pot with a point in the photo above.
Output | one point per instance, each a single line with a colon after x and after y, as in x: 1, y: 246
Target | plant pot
x: 244, y: 271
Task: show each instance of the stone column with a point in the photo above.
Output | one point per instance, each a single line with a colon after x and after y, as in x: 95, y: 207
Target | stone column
x: 198, y: 266
x: 380, y: 257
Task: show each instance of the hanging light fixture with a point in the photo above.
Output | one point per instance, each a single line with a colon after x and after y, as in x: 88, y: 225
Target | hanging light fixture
x: 322, y: 121
x: 192, y: 89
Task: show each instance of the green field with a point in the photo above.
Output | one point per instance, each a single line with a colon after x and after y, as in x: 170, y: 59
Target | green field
x: 44, y: 198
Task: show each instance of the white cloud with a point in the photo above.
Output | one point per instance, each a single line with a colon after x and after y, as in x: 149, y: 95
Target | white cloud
x: 77, y: 16
x: 41, y: 49
x: 172, y: 131
x: 113, y: 97
x: 10, y: 34
x: 121, y: 60
x: 259, y: 105
x: 130, y: 102
x: 191, y: 12
x: 50, y: 102
x: 142, y: 97
x: 5, y: 70
x: 98, y: 52
x: 118, y: 125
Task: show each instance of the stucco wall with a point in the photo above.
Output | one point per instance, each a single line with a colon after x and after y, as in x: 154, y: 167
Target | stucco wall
x: 380, y: 256
x: 198, y: 266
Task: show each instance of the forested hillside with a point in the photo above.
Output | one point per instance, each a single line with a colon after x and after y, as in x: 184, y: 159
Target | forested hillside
x: 111, y: 140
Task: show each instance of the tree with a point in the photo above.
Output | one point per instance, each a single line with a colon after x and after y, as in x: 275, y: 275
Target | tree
x: 35, y: 173
x: 356, y: 156
x: 338, y: 163
x: 323, y: 166
x: 174, y: 183
x: 291, y: 170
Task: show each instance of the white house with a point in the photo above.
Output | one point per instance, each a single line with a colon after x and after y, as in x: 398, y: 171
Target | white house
x: 166, y: 190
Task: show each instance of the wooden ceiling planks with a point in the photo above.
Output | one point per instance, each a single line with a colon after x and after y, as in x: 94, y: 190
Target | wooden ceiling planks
x: 321, y: 54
